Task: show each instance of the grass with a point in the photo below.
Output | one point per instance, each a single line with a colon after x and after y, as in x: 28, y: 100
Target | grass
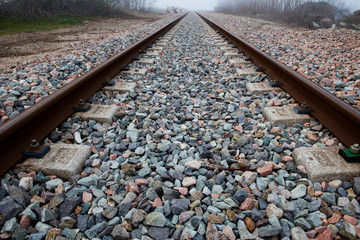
x: 18, y: 25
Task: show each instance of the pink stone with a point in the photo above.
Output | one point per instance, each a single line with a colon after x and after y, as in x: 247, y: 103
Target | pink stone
x: 323, y: 140
x: 357, y: 230
x: 311, y: 233
x: 22, y: 174
x: 287, y: 158
x: 32, y: 174
x: 318, y: 193
x: 265, y: 170
x: 326, y: 235
x: 134, y: 187
x: 334, y: 218
x: 229, y: 233
x: 188, y: 181
x: 323, y: 185
x: 157, y: 203
x: 25, y: 221
x: 54, y: 73
x: 247, y: 204
x: 276, y: 102
x: 238, y: 128
x: 37, y: 100
x: 320, y: 229
x: 96, y: 163
x: 8, y: 103
x: 330, y: 142
x: 301, y: 169
x: 141, y: 182
x: 182, y: 190
x: 86, y: 197
x: 113, y: 156
x: 5, y: 118
x: 184, y: 216
x: 5, y: 235
x: 350, y: 219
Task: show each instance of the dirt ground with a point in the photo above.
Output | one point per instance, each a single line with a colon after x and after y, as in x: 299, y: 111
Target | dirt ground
x: 16, y: 49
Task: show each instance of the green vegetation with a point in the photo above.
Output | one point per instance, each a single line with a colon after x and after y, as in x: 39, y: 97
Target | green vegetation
x: 17, y: 25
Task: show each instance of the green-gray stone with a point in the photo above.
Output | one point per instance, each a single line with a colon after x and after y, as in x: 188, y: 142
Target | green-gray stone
x: 155, y: 219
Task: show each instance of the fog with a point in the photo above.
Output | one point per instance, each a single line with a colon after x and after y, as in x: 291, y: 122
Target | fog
x: 353, y: 4
x: 209, y: 5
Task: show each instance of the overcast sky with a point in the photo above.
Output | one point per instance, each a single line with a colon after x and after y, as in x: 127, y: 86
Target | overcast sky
x: 210, y: 4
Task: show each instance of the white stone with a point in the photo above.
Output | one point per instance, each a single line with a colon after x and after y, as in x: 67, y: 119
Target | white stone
x: 188, y: 181
x: 335, y: 183
x: 193, y: 164
x: 77, y: 137
x: 26, y: 183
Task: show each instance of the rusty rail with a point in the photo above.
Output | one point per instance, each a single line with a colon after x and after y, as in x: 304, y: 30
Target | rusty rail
x: 39, y: 120
x: 338, y: 116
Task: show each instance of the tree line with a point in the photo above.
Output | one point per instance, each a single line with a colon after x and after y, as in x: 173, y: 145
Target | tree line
x: 52, y: 8
x: 297, y: 11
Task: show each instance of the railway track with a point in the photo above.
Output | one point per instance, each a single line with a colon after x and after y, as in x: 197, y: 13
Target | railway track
x: 194, y: 133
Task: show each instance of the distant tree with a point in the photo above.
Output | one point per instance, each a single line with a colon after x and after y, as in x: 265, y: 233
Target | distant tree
x: 286, y: 10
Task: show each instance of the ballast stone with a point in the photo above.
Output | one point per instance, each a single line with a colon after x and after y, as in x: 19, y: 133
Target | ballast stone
x: 63, y: 160
x: 325, y: 164
x: 121, y: 87
x: 99, y: 113
x: 285, y: 115
x: 260, y: 88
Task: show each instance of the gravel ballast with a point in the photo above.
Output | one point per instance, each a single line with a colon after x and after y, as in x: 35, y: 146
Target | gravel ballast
x: 149, y: 173
x: 328, y: 57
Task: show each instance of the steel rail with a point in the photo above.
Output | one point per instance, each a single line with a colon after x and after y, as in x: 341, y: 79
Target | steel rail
x: 39, y: 120
x: 339, y: 117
